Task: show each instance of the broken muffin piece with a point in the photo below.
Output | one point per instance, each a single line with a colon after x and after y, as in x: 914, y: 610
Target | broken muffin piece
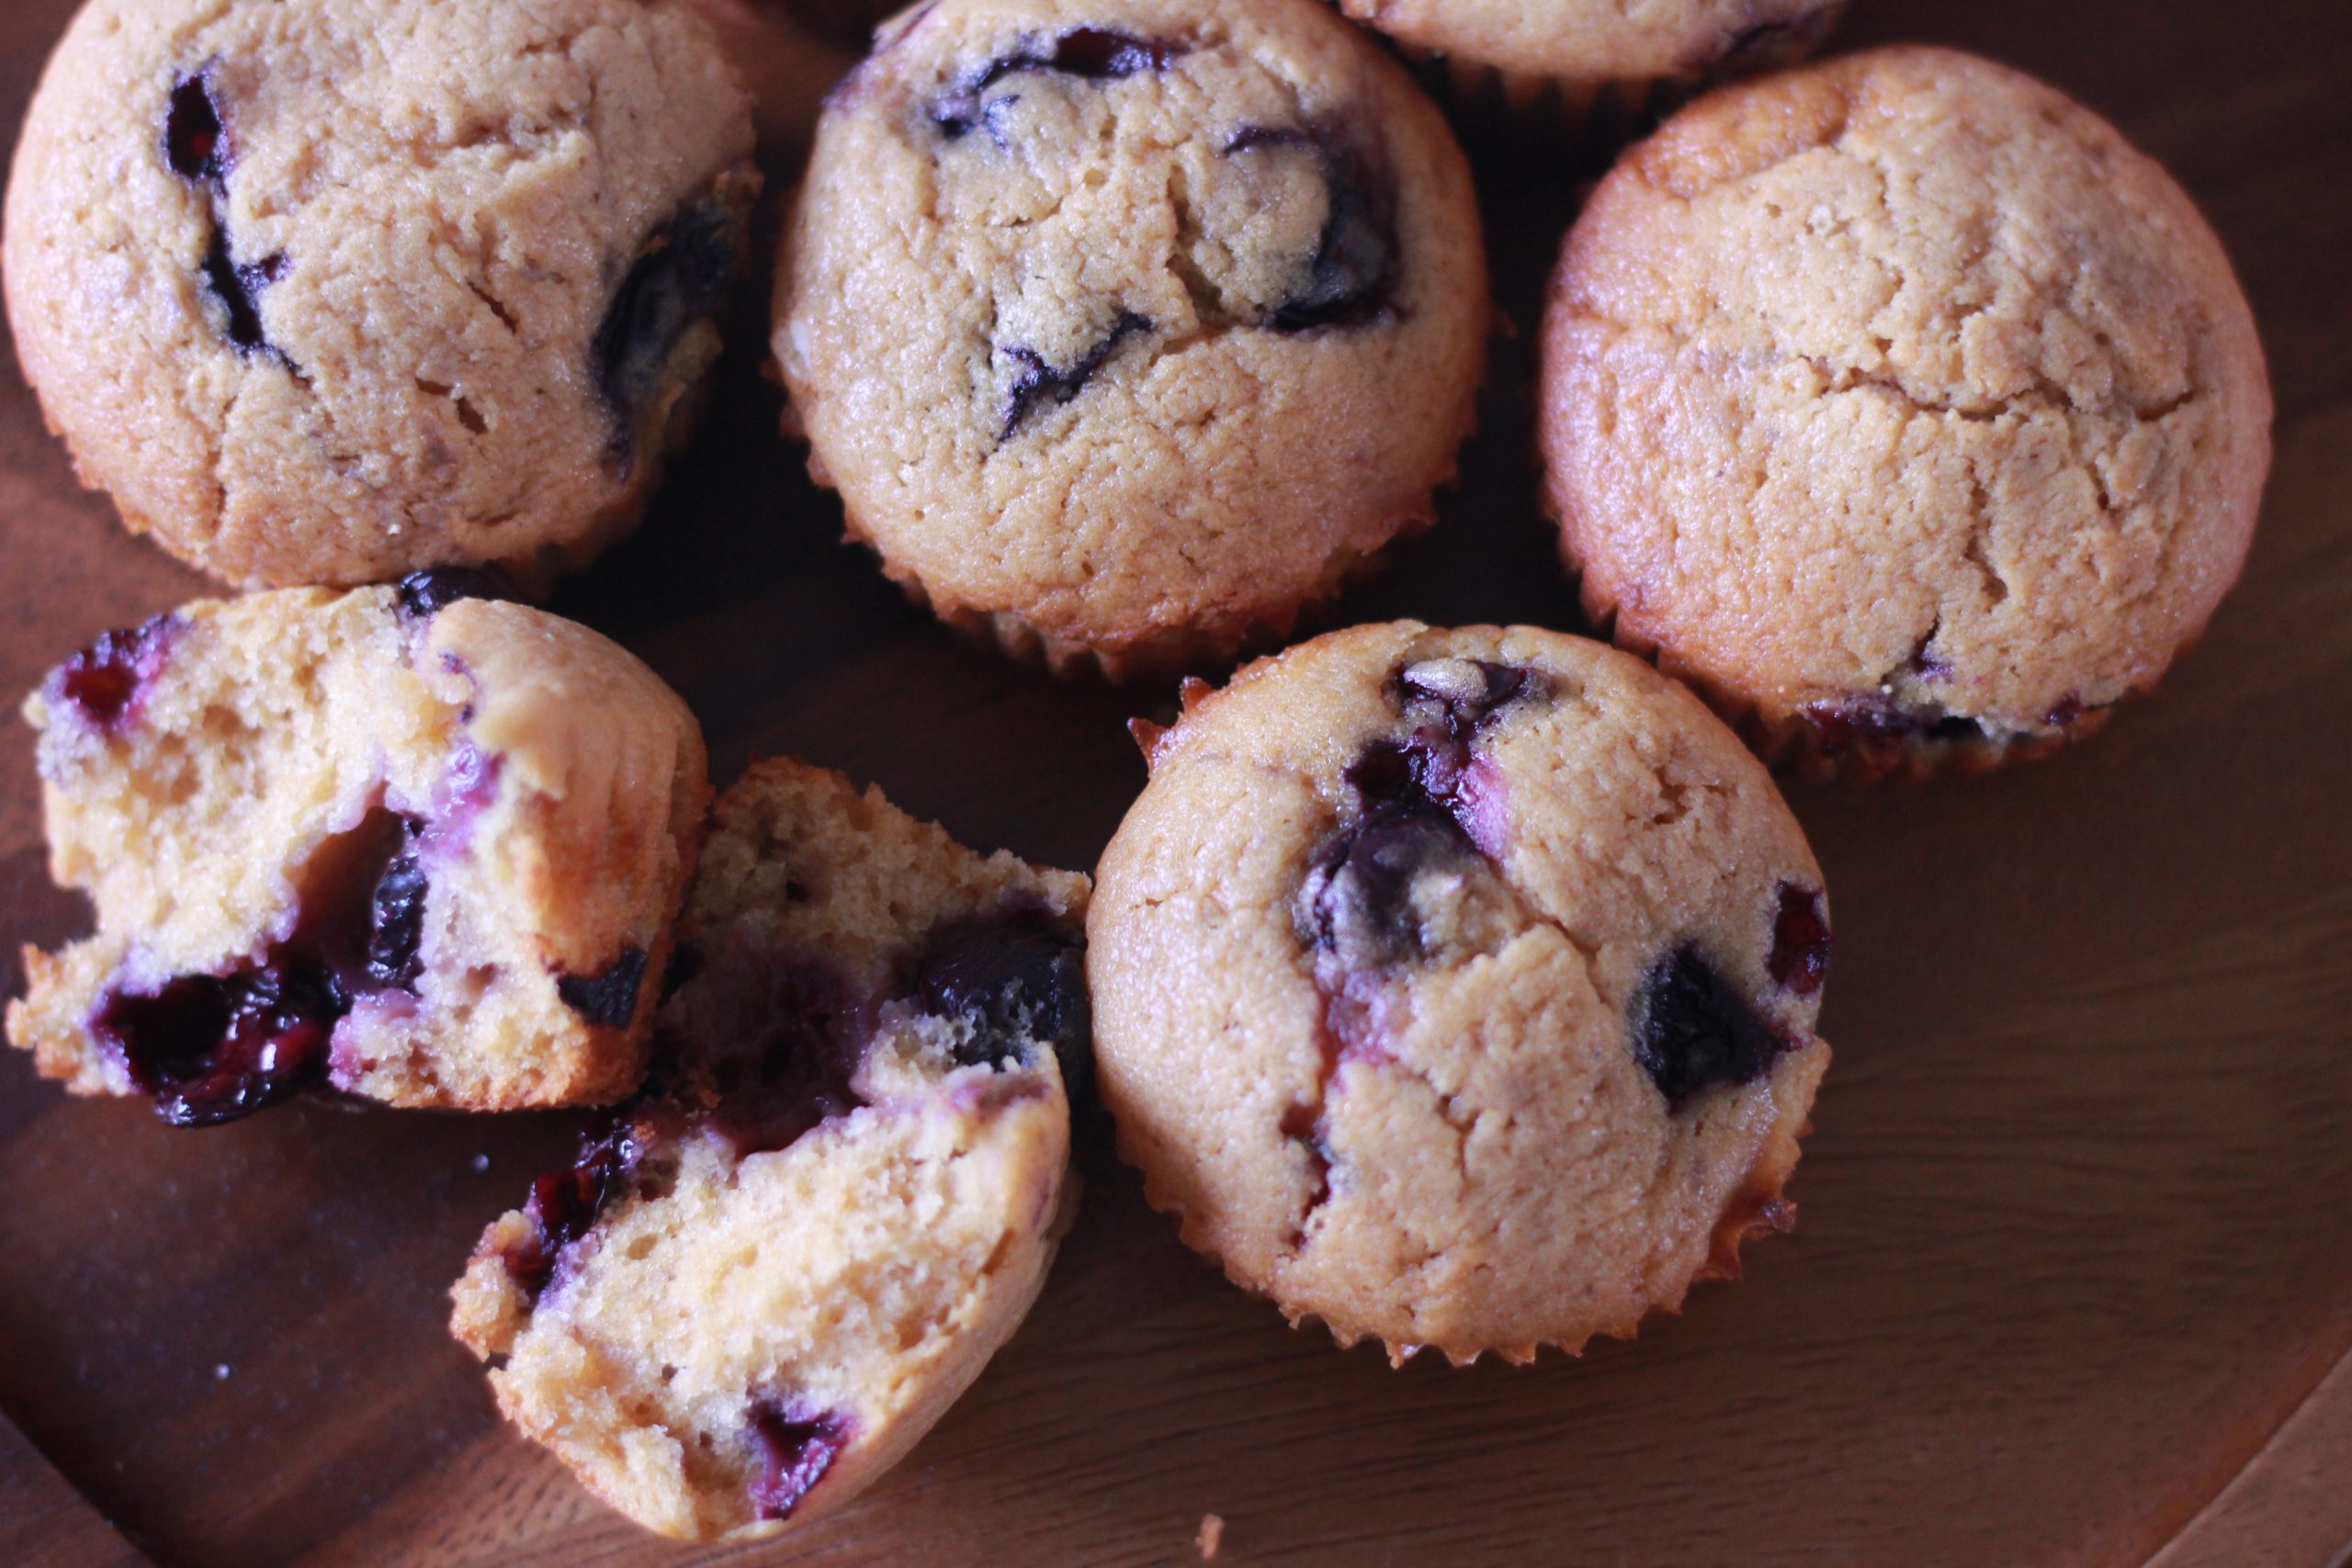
x: 410, y: 843
x: 839, y: 1196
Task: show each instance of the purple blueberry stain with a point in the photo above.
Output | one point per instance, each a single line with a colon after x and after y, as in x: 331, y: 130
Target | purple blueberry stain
x: 675, y: 281
x: 199, y: 148
x: 1091, y: 55
x: 1014, y: 980
x: 1036, y: 384
x: 424, y: 594
x: 1692, y: 1031
x: 608, y: 998
x: 796, y: 1446
x: 1356, y: 904
x: 1873, y: 730
x: 1350, y: 280
x: 104, y: 681
x: 1799, y: 960
x: 764, y: 1044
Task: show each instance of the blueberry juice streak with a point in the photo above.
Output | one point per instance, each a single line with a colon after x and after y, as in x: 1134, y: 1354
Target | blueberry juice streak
x: 796, y: 1446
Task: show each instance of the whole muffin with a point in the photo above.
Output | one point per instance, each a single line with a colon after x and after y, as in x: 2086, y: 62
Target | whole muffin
x: 1901, y: 407
x: 773, y: 1274
x: 1126, y: 327
x: 402, y: 842
x: 1458, y: 988
x: 1599, y: 53
x: 323, y: 291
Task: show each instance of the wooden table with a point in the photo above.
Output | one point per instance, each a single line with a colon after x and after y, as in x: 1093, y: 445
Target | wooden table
x: 2074, y: 1283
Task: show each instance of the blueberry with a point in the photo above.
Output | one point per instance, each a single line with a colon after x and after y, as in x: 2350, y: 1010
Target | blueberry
x: 424, y: 594
x: 195, y: 142
x: 606, y: 999
x: 1357, y: 901
x: 397, y: 924
x: 103, y: 681
x: 209, y: 1049
x: 197, y: 148
x: 1091, y: 55
x: 1015, y: 980
x: 565, y: 1203
x: 674, y: 282
x: 1035, y: 383
x: 1691, y: 1030
x: 797, y: 1446
x: 1351, y: 278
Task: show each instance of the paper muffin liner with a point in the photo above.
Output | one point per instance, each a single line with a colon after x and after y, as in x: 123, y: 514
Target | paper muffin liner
x: 1796, y: 743
x: 1186, y: 650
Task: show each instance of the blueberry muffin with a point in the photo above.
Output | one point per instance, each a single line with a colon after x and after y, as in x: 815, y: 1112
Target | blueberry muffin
x: 1458, y: 988
x: 1612, y: 56
x: 778, y: 1268
x: 412, y: 845
x: 1125, y: 327
x: 323, y: 291
x: 1905, y: 409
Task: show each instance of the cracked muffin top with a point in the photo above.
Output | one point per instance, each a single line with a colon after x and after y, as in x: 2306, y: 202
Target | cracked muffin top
x: 322, y: 291
x: 1458, y: 988
x: 1903, y: 406
x: 1124, y: 326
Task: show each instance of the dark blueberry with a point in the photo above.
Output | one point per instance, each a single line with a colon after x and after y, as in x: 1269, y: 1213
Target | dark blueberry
x: 1016, y: 981
x: 396, y: 927
x: 797, y: 1446
x: 424, y: 594
x: 238, y: 288
x: 1470, y: 691
x: 1691, y: 1030
x: 1873, y: 729
x: 1034, y: 383
x: 1800, y: 956
x: 564, y: 1203
x: 2065, y: 713
x: 1351, y: 278
x: 1091, y: 55
x: 104, y: 680
x: 1357, y: 901
x: 608, y: 998
x: 209, y: 1049
x: 195, y: 142
x: 675, y: 281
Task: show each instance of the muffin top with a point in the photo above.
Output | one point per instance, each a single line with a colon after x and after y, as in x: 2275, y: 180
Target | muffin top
x: 328, y: 291
x: 1898, y: 392
x: 1579, y: 41
x: 1138, y: 320
x: 1458, y: 988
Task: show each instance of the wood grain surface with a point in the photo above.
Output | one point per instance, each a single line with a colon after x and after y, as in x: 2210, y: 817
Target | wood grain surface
x: 2076, y: 1249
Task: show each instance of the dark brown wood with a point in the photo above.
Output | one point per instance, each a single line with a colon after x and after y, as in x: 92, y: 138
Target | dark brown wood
x: 2076, y: 1251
